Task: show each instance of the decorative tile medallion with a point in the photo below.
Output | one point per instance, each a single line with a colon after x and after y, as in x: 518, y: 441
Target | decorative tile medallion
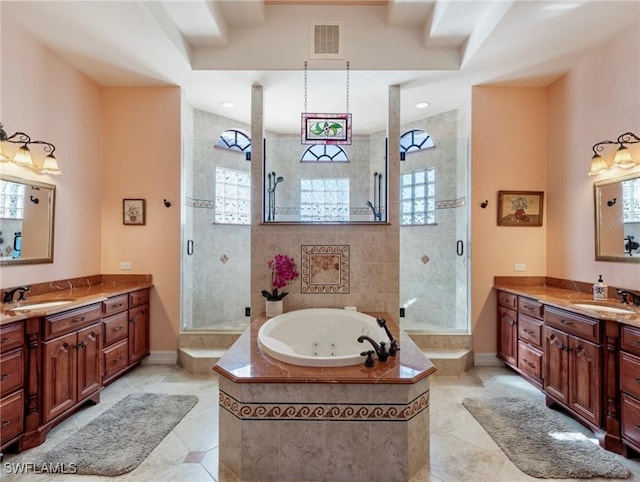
x: 451, y: 203
x: 348, y: 412
x: 325, y: 269
x: 200, y: 203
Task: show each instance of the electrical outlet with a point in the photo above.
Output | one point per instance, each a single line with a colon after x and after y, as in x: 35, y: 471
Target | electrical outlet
x: 520, y: 267
x: 401, y: 312
x: 125, y: 265
x: 247, y: 311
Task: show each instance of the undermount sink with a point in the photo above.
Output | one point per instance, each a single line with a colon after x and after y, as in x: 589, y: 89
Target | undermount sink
x: 604, y: 308
x: 39, y: 305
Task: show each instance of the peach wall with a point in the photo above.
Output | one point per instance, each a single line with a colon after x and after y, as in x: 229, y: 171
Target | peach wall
x: 508, y: 153
x: 141, y: 128
x: 599, y: 99
x: 50, y: 100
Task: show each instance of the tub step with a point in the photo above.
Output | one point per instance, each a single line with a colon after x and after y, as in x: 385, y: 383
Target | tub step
x: 199, y: 361
x: 450, y: 362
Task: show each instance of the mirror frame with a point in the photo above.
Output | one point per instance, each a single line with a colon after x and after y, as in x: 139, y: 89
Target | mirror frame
x: 597, y: 208
x: 49, y: 257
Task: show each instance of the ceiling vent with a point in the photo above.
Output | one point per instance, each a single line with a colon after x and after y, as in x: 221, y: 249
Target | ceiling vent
x: 326, y: 40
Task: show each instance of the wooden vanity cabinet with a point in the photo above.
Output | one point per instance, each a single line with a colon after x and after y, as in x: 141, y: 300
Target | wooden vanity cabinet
x: 630, y: 386
x: 116, y: 335
x: 573, y: 364
x: 530, y: 359
x: 138, y: 325
x: 12, y: 376
x: 508, y: 328
x: 72, y: 362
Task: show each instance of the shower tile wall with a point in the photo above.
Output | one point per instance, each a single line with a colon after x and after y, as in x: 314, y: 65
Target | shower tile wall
x: 220, y: 264
x: 430, y: 284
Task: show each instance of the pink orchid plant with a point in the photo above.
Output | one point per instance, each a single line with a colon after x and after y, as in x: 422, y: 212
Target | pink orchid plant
x: 283, y: 271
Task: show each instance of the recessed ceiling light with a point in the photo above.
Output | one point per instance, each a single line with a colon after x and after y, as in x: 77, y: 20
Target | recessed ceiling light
x: 227, y: 105
x: 422, y: 105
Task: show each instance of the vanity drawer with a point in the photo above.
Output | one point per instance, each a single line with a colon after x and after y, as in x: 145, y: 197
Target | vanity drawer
x: 530, y: 330
x: 530, y: 307
x: 631, y: 419
x: 630, y: 340
x: 630, y: 374
x: 138, y: 298
x: 507, y: 300
x: 582, y: 326
x: 11, y: 371
x: 72, y: 320
x: 11, y: 336
x: 530, y: 360
x: 116, y: 328
x: 115, y: 305
x: 115, y: 358
x: 11, y: 416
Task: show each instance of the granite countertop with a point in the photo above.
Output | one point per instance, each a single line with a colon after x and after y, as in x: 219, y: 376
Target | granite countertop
x: 244, y: 362
x: 566, y: 299
x: 77, y: 297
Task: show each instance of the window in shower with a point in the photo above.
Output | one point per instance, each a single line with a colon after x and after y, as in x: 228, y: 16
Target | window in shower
x: 233, y: 196
x: 418, y: 202
x: 234, y: 140
x: 324, y: 153
x: 415, y: 140
x: 324, y: 200
x: 11, y: 200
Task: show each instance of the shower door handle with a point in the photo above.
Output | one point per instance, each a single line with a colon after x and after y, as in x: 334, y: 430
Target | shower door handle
x: 190, y: 247
x: 459, y: 247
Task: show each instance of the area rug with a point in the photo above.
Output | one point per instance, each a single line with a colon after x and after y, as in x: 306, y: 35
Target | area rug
x: 542, y: 442
x: 118, y: 440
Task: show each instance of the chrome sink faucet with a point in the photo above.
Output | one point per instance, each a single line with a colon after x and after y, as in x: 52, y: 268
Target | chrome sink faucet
x: 625, y: 295
x: 10, y: 294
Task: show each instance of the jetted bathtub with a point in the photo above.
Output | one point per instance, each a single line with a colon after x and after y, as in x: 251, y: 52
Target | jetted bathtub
x: 319, y: 337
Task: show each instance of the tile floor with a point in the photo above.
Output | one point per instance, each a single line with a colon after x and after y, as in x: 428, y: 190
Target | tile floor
x: 461, y: 450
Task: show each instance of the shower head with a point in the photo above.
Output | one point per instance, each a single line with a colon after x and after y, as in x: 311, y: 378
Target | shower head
x: 279, y: 179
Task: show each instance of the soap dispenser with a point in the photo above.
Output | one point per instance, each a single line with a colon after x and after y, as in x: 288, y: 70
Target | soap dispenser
x: 600, y: 290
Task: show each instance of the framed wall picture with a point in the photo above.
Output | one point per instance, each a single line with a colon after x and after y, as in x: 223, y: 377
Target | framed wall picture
x: 520, y: 208
x: 133, y: 212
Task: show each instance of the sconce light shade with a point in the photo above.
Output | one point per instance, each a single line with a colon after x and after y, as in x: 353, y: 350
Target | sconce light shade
x: 623, y: 158
x: 50, y: 166
x: 23, y: 157
x: 598, y: 165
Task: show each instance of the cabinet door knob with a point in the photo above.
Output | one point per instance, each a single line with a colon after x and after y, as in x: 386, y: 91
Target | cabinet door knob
x: 5, y: 423
x: 566, y: 322
x: 79, y: 319
x: 4, y: 376
x: 6, y: 339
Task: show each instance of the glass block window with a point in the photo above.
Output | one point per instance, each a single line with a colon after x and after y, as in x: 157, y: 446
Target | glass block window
x: 324, y: 199
x: 11, y: 200
x: 418, y: 197
x: 631, y: 201
x: 415, y: 140
x: 235, y: 140
x: 325, y: 153
x: 233, y: 196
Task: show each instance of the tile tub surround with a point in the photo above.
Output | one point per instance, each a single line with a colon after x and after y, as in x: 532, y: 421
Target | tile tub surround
x: 286, y: 422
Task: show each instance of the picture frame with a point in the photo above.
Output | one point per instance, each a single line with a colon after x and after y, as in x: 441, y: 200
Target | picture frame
x: 520, y: 208
x: 133, y: 212
x: 326, y: 128
x: 325, y: 269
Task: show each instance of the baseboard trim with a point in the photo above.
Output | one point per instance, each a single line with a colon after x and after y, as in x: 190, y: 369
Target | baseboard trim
x: 161, y: 358
x: 487, y: 360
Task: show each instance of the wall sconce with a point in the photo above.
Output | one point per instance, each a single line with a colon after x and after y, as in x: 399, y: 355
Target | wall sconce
x: 22, y: 157
x: 622, y: 158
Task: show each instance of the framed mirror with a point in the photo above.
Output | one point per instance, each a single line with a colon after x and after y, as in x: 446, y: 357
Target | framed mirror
x: 617, y: 218
x: 26, y: 221
x: 325, y: 183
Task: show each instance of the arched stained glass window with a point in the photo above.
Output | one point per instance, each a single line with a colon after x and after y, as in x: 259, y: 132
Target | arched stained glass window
x: 415, y: 140
x: 235, y: 140
x: 324, y: 153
